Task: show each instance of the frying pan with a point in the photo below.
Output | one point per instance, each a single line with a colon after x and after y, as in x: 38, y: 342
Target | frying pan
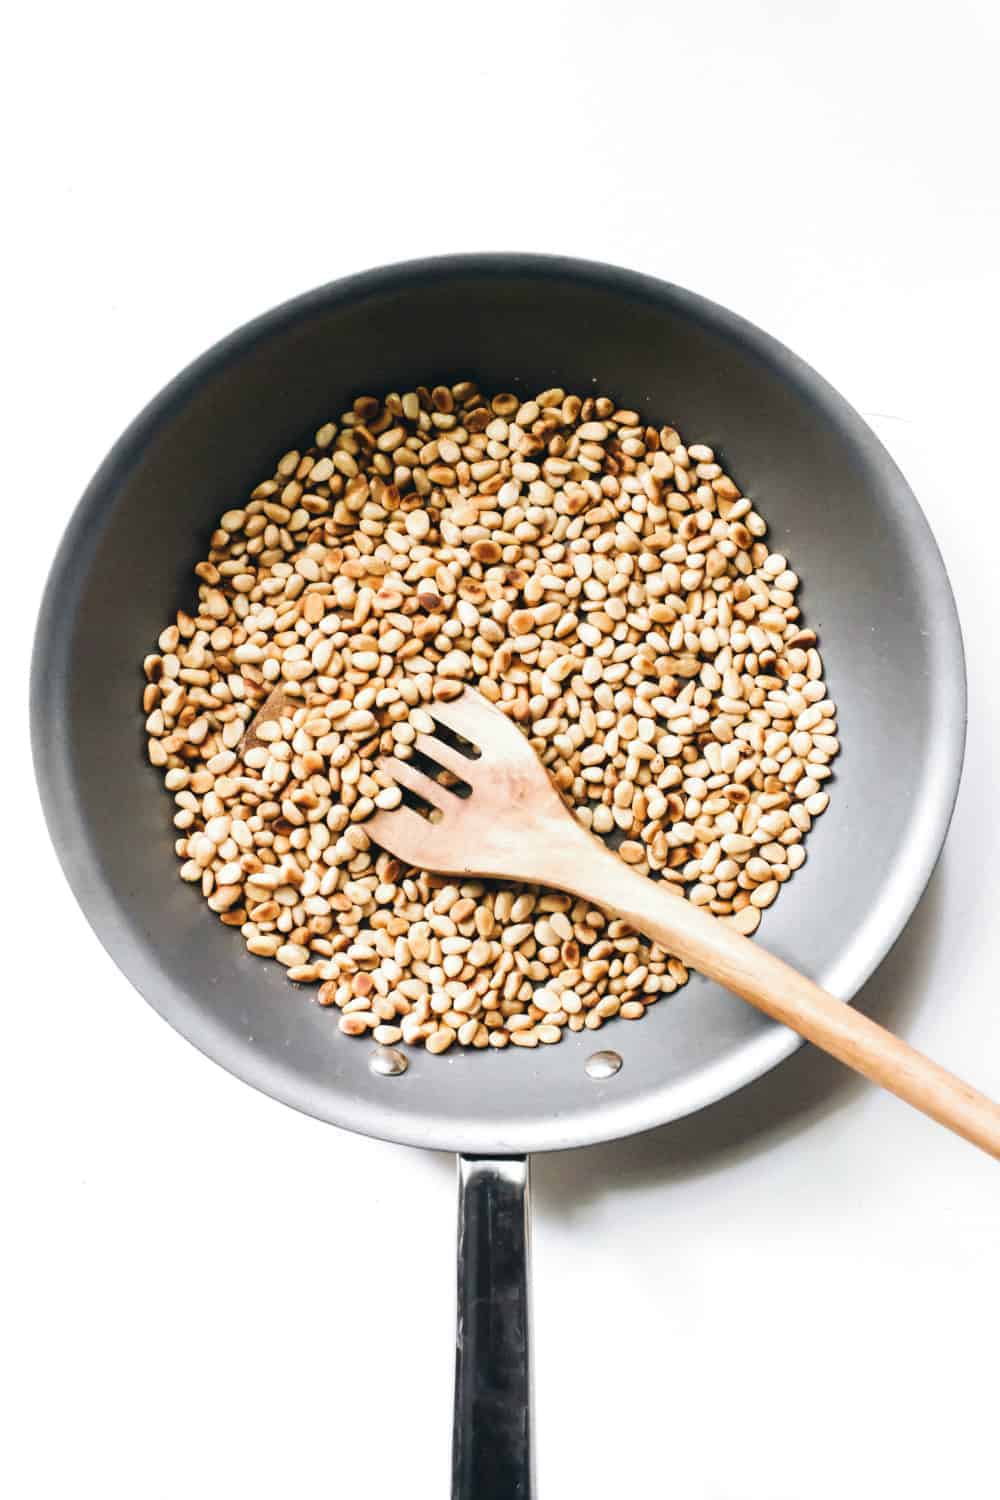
x: 873, y: 585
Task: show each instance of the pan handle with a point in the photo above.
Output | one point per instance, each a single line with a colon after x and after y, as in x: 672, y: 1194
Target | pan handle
x: 491, y: 1448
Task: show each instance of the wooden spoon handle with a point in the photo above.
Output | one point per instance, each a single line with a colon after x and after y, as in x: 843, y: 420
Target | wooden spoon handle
x: 716, y: 949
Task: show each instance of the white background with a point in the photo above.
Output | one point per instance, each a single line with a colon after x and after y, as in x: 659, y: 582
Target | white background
x: 208, y: 1296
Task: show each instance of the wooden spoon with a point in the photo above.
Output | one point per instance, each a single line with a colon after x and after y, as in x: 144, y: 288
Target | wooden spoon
x: 514, y: 825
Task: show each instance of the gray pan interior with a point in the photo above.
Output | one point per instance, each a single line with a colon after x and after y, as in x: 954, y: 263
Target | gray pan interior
x: 874, y: 587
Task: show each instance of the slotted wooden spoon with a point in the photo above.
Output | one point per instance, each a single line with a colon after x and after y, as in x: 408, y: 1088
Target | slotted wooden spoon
x: 515, y: 825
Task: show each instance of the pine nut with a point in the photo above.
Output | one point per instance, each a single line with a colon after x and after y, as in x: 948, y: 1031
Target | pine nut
x: 604, y: 584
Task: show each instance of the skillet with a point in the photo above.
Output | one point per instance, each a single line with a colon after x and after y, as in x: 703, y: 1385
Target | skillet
x: 874, y: 587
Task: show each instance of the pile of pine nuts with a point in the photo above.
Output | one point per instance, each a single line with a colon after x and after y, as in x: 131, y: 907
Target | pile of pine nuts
x: 606, y: 585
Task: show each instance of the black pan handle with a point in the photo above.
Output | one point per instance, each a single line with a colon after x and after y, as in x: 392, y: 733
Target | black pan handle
x: 491, y: 1449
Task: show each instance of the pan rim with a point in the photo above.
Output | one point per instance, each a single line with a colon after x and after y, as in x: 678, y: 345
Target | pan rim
x: 868, y: 946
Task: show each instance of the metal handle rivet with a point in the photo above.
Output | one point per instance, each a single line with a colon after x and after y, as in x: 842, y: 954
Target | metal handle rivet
x: 388, y: 1062
x: 602, y: 1064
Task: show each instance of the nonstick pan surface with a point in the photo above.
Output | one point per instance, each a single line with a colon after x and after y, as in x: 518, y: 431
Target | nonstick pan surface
x: 873, y: 586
